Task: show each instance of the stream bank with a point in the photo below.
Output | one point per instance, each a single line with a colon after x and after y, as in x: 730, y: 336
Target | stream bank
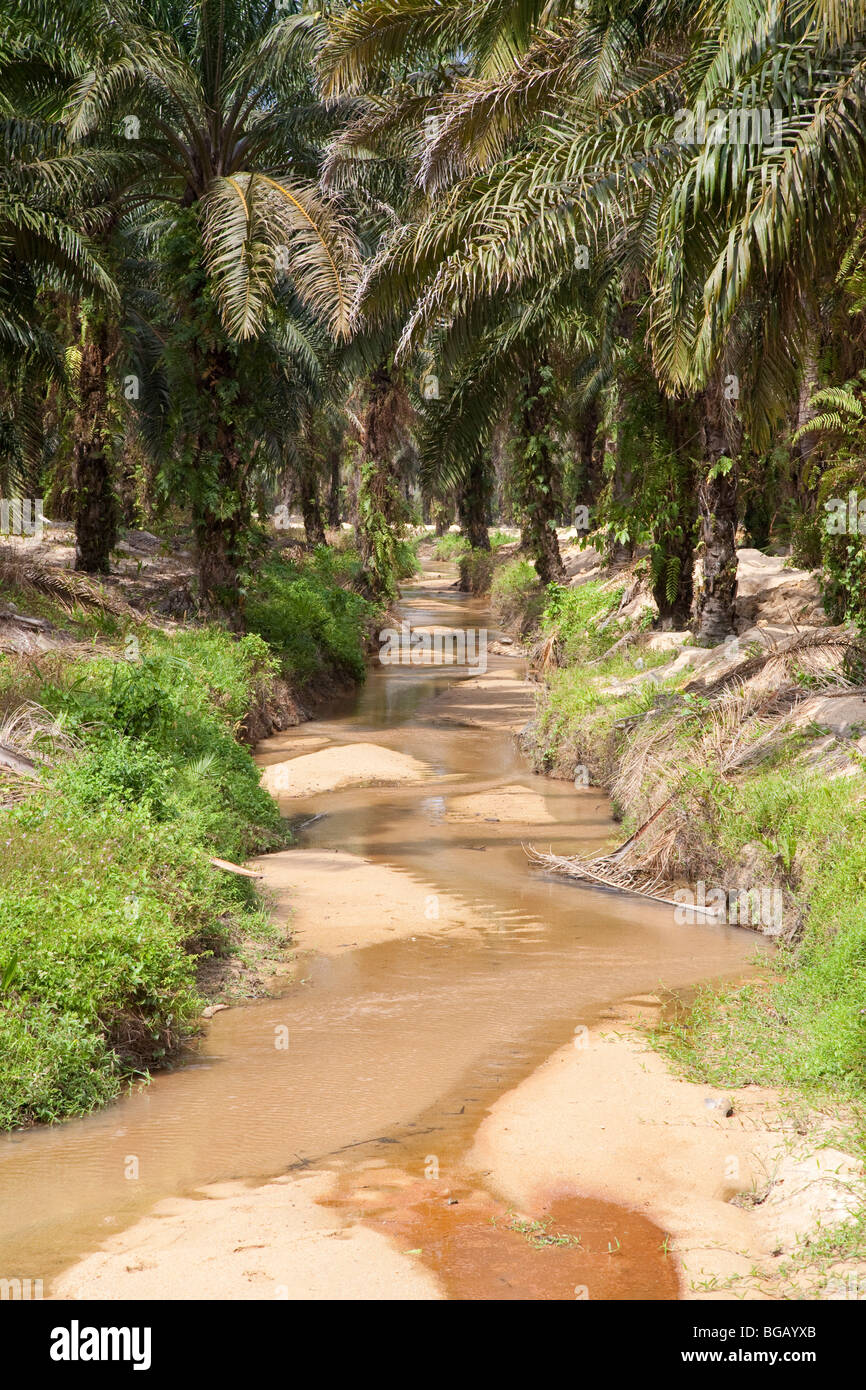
x: 737, y: 775
x: 376, y: 1127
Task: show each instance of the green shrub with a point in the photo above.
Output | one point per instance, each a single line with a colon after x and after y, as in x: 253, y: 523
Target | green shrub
x: 107, y: 894
x: 406, y: 560
x: 516, y: 596
x: 120, y: 771
x: 450, y: 546
x: 309, y: 620
x: 476, y: 570
x: 108, y: 898
x: 51, y: 1064
x: 574, y: 615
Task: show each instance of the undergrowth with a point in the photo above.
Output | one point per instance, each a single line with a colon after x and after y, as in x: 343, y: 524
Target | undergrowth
x: 109, y: 902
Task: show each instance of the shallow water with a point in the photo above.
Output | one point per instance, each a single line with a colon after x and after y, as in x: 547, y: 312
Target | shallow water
x: 397, y: 1042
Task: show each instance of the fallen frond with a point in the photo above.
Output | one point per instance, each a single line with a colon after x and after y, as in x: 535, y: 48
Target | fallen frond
x: 66, y: 587
x: 30, y: 738
x: 821, y: 655
x: 602, y: 871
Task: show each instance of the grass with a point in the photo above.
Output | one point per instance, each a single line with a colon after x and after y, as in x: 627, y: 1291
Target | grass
x: 109, y: 902
x: 310, y: 616
x: 579, y: 714
x: 516, y: 597
x: 575, y: 617
x: 538, y: 1232
x: 802, y: 1024
x: 453, y: 545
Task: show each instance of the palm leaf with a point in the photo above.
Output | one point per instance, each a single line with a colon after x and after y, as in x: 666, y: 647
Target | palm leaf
x: 253, y: 227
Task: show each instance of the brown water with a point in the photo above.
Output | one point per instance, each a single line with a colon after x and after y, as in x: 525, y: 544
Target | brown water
x: 395, y: 1043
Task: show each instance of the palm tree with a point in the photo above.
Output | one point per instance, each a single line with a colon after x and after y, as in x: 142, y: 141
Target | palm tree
x: 214, y: 106
x: 751, y: 226
x: 501, y: 150
x: 401, y: 287
x: 48, y: 197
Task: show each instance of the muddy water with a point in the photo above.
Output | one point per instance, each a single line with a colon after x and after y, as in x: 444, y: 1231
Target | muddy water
x: 396, y: 1051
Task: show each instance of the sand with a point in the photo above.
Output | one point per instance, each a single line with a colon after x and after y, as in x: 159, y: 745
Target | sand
x: 338, y: 901
x: 239, y: 1242
x: 348, y: 765
x: 499, y: 699
x: 608, y: 1118
x: 513, y: 805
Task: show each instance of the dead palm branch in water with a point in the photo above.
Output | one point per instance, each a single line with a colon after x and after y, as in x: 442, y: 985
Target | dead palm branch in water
x: 603, y: 871
x: 610, y: 870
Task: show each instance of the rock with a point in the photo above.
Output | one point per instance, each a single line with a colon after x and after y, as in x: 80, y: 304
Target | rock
x: 770, y: 591
x: 844, y: 716
x: 667, y: 641
x: 689, y: 656
x: 721, y: 1106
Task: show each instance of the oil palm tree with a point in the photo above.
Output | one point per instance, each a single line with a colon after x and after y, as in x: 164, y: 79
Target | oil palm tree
x: 506, y: 208
x: 214, y: 107
x: 728, y: 231
x: 48, y: 199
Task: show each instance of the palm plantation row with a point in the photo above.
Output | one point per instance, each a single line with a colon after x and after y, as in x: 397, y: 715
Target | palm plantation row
x: 612, y: 253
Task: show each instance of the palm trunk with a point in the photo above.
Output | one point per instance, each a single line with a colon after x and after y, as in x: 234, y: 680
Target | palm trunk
x: 311, y: 509
x: 589, y: 481
x: 620, y: 553
x: 96, y: 511
x: 221, y: 532
x: 673, y: 528
x: 472, y: 503
x: 334, y: 491
x: 221, y: 537
x: 314, y: 522
x: 535, y: 483
x: 380, y: 505
x: 718, y: 511
x: 808, y: 387
x: 675, y: 609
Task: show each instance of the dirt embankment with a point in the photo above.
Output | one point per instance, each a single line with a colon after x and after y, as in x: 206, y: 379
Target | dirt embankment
x: 152, y: 581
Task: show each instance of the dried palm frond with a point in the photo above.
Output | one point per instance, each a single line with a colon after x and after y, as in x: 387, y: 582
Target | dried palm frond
x: 15, y: 763
x: 33, y: 735
x: 30, y: 737
x: 738, y: 728
x: 602, y: 871
x: 13, y: 787
x: 628, y: 639
x: 546, y: 654
x: 821, y: 654
x: 68, y: 588
x: 741, y: 726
